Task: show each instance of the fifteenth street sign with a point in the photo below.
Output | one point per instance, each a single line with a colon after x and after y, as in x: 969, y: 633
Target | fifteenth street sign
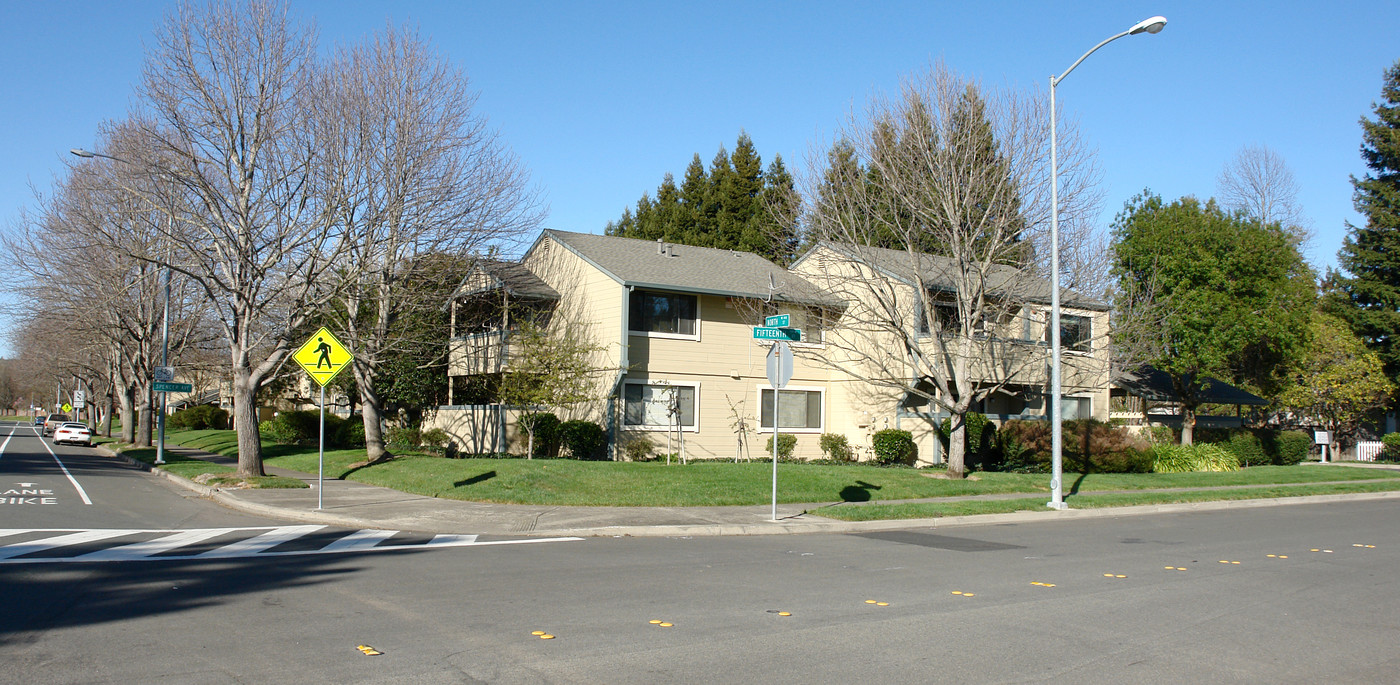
x: 322, y: 357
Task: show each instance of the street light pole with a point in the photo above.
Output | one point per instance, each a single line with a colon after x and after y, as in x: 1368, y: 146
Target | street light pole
x: 165, y: 323
x: 1057, y: 499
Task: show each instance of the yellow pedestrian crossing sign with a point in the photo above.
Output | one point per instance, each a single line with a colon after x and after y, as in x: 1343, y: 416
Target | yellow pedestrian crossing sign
x: 323, y: 357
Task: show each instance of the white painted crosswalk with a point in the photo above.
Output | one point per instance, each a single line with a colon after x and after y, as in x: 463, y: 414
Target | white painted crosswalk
x: 31, y: 546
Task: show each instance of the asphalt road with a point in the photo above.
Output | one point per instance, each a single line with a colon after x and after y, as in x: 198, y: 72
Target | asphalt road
x: 1099, y: 600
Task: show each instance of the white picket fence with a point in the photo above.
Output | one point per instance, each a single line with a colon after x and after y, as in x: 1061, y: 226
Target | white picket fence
x: 1368, y: 450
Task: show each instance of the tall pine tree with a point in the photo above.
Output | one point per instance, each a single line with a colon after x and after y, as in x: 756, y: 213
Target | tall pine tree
x: 734, y: 205
x: 1367, y: 294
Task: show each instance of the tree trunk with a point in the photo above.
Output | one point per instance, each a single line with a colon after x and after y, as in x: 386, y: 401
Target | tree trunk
x: 143, y: 417
x: 372, y: 411
x: 107, y: 414
x: 957, y: 445
x: 128, y: 400
x: 530, y: 444
x: 245, y: 422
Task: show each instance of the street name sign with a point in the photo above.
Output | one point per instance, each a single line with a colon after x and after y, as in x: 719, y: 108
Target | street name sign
x: 162, y: 386
x: 779, y: 321
x: 322, y: 357
x: 765, y: 333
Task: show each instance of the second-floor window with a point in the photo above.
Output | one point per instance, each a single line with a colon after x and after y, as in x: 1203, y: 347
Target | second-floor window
x: 1075, y: 333
x: 663, y: 313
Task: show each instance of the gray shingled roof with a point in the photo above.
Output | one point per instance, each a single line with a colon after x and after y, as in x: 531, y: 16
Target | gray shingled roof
x: 935, y: 268
x: 512, y: 277
x: 689, y: 269
x: 1154, y: 384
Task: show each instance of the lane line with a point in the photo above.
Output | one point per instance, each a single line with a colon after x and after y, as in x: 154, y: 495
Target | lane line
x: 7, y: 441
x: 81, y: 492
x: 254, y: 545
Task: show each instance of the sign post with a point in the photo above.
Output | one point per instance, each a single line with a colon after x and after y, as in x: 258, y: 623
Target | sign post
x: 779, y: 373
x: 322, y: 357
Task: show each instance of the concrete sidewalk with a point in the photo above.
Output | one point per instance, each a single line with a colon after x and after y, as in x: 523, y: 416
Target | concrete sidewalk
x: 356, y: 505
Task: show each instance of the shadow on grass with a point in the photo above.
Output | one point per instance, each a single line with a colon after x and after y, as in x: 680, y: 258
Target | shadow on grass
x: 860, y: 492
x: 475, y: 479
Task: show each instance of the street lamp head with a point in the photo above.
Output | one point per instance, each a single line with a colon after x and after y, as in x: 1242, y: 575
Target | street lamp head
x: 1152, y: 25
x: 83, y: 153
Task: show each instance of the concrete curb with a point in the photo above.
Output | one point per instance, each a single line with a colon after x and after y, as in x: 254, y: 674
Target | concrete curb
x: 816, y: 525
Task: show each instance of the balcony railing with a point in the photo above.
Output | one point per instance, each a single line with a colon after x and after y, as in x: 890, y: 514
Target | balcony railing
x: 479, y: 353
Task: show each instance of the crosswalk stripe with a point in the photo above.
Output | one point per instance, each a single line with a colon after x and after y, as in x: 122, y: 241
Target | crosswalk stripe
x: 253, y: 545
x: 165, y: 545
x: 358, y: 540
x: 15, y: 550
x: 148, y: 548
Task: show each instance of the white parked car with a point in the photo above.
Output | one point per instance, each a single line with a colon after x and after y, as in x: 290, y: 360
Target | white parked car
x: 73, y: 433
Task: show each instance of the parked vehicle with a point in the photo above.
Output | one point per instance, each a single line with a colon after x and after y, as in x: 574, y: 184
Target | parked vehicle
x: 53, y: 422
x: 73, y: 434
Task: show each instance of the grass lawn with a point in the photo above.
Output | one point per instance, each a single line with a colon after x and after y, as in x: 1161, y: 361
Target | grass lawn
x: 186, y: 467
x: 566, y: 482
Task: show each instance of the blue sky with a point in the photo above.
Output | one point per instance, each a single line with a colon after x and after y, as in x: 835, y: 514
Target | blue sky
x: 599, y: 100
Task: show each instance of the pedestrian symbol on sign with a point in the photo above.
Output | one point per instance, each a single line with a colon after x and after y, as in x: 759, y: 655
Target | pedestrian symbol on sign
x: 322, y: 357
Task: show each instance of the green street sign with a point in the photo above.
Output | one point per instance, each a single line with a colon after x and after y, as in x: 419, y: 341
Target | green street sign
x: 163, y: 386
x: 778, y: 321
x: 790, y: 334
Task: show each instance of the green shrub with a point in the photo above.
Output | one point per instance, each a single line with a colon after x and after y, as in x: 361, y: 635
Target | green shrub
x: 1190, y: 458
x: 297, y: 427
x: 638, y: 448
x: 436, y: 440
x: 1293, y: 448
x: 583, y: 439
x: 351, y: 433
x: 894, y: 446
x: 1391, y: 452
x: 199, y: 417
x: 1247, y: 447
x: 546, y: 427
x: 403, y: 438
x: 787, y: 442
x: 1087, y: 446
x: 979, y: 439
x: 835, y: 447
x: 278, y: 433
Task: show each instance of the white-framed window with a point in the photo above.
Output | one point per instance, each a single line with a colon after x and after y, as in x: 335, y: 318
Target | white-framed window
x: 662, y: 314
x: 660, y: 405
x: 800, y: 410
x: 1076, y: 332
x: 1077, y: 408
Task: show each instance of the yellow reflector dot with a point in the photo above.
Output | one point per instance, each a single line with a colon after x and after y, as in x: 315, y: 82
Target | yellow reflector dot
x: 784, y: 613
x: 1235, y: 563
x: 1314, y: 550
x: 882, y: 604
x: 665, y: 625
x: 1120, y: 576
x: 546, y: 636
x: 653, y: 621
x: 1180, y: 568
x: 957, y: 592
x: 869, y: 601
x: 538, y: 633
x: 1108, y: 575
x: 967, y: 594
x: 1271, y: 556
x: 1283, y: 556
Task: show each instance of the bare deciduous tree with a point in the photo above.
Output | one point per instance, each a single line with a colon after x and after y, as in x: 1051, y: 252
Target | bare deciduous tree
x: 1260, y: 183
x: 933, y: 233
x: 224, y: 92
x: 420, y: 176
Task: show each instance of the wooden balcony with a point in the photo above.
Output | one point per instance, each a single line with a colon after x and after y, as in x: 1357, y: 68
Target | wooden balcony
x: 480, y: 353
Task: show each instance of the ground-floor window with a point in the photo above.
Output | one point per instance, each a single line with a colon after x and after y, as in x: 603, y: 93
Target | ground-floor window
x: 798, y: 409
x: 659, y: 406
x: 1077, y: 408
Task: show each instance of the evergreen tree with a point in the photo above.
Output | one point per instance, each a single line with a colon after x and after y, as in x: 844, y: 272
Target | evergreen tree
x: 1367, y: 294
x: 733, y: 205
